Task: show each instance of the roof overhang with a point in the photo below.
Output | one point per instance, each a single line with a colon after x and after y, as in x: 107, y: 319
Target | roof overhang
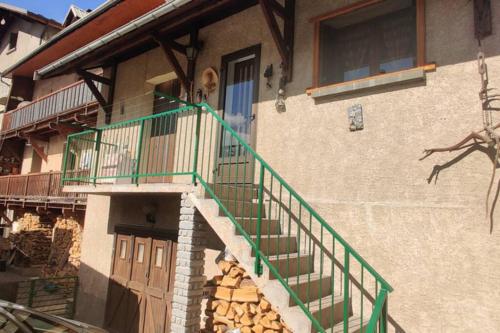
x: 172, y: 19
x: 107, y: 17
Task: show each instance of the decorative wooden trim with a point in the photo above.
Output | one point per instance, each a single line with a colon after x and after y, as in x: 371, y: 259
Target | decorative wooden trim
x: 420, y: 29
x: 421, y: 33
x: 344, y: 10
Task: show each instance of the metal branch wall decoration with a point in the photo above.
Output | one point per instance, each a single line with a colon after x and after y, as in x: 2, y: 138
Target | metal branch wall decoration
x: 487, y: 136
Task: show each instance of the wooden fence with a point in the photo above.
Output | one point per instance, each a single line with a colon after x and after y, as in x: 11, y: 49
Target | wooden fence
x: 37, y: 187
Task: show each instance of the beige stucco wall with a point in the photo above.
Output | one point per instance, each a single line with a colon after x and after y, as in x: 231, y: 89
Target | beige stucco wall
x: 430, y: 240
x: 54, y: 148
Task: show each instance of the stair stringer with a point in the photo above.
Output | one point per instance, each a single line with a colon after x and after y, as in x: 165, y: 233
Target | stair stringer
x: 274, y: 291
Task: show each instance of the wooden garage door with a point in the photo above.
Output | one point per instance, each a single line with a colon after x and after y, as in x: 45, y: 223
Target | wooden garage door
x: 141, y: 285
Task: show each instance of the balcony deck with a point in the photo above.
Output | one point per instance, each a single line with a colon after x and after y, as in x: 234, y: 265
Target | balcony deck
x: 38, y: 190
x: 74, y: 103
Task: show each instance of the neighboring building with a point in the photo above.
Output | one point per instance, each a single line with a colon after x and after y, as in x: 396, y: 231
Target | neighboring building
x: 340, y: 98
x: 74, y: 14
x: 21, y: 31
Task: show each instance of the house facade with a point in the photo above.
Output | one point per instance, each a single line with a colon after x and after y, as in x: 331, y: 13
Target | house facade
x: 21, y: 32
x: 295, y: 138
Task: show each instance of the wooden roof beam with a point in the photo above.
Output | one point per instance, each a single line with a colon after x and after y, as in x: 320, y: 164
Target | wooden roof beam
x: 66, y: 129
x: 105, y: 103
x: 284, y: 41
x: 167, y: 49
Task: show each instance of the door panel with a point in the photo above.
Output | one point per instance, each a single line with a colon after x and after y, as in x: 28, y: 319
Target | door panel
x: 160, y: 148
x: 141, y: 285
x: 140, y: 263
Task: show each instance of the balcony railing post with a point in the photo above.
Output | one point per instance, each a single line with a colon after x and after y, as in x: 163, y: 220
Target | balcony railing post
x: 138, y: 153
x: 7, y: 193
x: 97, y: 151
x: 27, y: 181
x: 49, y: 184
x: 65, y: 160
x: 196, y: 142
x: 258, y: 263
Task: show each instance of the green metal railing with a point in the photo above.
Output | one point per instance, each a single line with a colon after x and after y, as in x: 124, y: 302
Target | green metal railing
x: 323, y: 274
x: 52, y: 295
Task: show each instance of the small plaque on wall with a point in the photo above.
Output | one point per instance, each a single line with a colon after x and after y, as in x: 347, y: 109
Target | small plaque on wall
x: 355, y: 116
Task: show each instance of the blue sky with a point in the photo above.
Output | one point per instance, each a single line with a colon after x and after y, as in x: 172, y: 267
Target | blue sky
x: 54, y: 9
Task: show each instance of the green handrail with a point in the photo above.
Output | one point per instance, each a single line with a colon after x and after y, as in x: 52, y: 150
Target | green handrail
x: 379, y: 310
x: 192, y: 137
x: 385, y: 284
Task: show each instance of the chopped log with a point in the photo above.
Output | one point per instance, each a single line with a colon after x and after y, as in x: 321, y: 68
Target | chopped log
x: 246, y: 295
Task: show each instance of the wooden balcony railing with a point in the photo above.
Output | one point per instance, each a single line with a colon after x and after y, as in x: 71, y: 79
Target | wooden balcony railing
x: 74, y: 96
x: 38, y: 187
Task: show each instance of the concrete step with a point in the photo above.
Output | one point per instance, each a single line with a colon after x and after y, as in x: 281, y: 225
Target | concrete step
x: 356, y: 325
x: 278, y: 244
x: 242, y: 209
x: 310, y: 287
x: 241, y: 192
x: 329, y: 311
x: 268, y: 227
x: 291, y: 265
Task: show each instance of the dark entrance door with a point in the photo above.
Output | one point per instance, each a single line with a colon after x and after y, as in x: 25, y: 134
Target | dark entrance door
x: 160, y: 150
x: 141, y: 285
x: 240, y: 93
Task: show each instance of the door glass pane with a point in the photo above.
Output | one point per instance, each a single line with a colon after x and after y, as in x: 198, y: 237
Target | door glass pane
x: 140, y: 252
x: 123, y: 249
x: 159, y: 257
x: 238, y: 103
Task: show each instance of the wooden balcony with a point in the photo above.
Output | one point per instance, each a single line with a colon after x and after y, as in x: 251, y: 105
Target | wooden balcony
x: 39, y: 190
x: 74, y: 103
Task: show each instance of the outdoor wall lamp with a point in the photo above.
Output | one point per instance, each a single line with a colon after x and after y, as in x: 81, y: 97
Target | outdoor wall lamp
x: 150, y: 211
x: 191, y: 52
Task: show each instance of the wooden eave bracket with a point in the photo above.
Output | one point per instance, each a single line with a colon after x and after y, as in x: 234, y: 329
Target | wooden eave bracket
x: 38, y: 149
x: 105, y: 103
x: 66, y: 129
x: 7, y: 219
x: 284, y: 40
x: 168, y: 47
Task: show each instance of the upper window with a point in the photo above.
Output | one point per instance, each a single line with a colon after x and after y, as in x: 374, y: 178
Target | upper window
x: 366, y: 41
x: 13, y: 40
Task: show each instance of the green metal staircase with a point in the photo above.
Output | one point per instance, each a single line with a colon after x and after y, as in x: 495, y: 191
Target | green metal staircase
x: 325, y: 279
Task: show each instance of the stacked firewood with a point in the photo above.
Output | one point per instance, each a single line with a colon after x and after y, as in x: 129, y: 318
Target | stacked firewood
x: 236, y: 304
x: 64, y: 257
x: 33, y: 239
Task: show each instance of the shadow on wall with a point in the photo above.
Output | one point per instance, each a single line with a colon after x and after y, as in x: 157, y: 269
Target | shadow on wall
x: 121, y: 315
